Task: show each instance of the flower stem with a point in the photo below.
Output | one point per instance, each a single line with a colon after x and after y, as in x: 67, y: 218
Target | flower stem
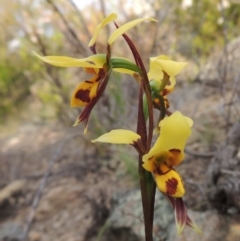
x: 146, y: 86
x: 146, y: 183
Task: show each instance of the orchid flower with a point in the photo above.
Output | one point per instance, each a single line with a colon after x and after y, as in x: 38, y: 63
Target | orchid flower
x: 160, y: 67
x: 166, y: 153
x: 88, y: 92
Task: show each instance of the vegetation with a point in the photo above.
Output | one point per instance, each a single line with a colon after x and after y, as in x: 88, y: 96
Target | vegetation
x: 51, y: 27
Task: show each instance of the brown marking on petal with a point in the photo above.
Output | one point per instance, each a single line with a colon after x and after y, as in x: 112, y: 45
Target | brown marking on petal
x: 175, y: 150
x: 165, y: 92
x: 166, y: 102
x: 158, y: 171
x: 83, y: 95
x: 151, y: 158
x: 88, y: 81
x: 90, y: 62
x: 98, y: 78
x: 171, y: 186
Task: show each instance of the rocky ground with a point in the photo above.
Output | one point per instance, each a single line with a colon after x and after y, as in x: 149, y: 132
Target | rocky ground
x: 56, y: 185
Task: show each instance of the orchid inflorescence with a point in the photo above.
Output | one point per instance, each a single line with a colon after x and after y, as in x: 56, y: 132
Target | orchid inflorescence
x: 156, y: 163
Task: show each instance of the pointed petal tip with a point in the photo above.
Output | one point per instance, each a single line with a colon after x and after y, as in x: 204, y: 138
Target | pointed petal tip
x: 180, y: 229
x: 105, y: 21
x: 85, y: 130
x: 192, y: 225
x: 77, y: 122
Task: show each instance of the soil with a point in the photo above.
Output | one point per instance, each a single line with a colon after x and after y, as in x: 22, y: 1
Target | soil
x: 62, y: 184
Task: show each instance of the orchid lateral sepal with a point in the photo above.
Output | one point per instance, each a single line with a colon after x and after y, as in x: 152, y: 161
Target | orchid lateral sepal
x: 95, y: 61
x: 121, y: 136
x: 181, y: 216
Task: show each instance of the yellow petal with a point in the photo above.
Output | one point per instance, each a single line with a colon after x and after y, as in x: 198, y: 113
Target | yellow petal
x: 155, y: 72
x: 118, y: 32
x: 174, y: 133
x: 149, y: 165
x: 108, y: 19
x: 119, y: 136
x: 172, y: 68
x: 170, y: 183
x: 95, y: 61
x: 85, y: 92
x: 163, y: 63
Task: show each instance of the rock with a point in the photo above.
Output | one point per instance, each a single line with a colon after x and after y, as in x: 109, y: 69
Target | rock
x: 57, y: 199
x: 223, y: 65
x: 13, y: 189
x: 10, y: 231
x: 34, y: 236
x: 127, y: 213
x: 234, y: 232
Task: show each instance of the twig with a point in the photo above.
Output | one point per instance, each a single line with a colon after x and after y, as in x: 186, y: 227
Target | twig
x: 233, y: 173
x: 42, y: 185
x: 83, y: 22
x: 69, y: 28
x: 103, y: 9
x: 199, y: 154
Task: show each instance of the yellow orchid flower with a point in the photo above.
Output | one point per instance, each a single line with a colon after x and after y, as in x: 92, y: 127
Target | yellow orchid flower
x: 87, y: 90
x: 168, y: 151
x: 87, y: 93
x: 163, y: 63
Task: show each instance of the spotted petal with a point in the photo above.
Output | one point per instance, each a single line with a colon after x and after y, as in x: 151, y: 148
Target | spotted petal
x: 124, y: 28
x: 85, y: 92
x: 169, y: 182
x: 119, y: 136
x: 95, y: 61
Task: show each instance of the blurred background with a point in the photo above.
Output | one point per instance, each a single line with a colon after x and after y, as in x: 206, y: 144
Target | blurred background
x: 54, y: 183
